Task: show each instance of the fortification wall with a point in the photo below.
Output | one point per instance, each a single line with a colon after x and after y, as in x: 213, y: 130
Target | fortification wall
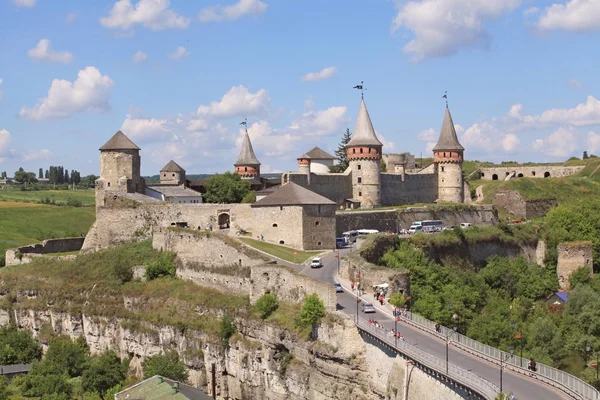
x: 25, y: 254
x: 280, y: 225
x: 416, y: 188
x: 318, y: 227
x: 368, y: 275
x: 571, y: 257
x: 336, y: 187
x: 288, y: 285
x: 528, y: 171
x: 236, y: 284
x: 514, y: 203
x: 393, y: 220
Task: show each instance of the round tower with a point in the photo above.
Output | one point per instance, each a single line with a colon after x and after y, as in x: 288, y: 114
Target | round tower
x: 120, y: 164
x: 448, y: 159
x: 247, y: 165
x: 363, y: 152
x: 304, y: 164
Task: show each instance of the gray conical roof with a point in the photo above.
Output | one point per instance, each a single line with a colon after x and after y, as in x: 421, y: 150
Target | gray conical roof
x: 247, y: 156
x: 292, y: 194
x: 364, y: 134
x: 172, y: 166
x: 448, y: 140
x: 119, y: 142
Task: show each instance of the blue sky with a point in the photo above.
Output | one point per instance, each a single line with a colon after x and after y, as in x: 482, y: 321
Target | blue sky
x: 178, y: 76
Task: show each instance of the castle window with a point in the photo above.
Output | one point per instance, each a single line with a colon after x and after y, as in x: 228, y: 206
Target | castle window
x: 108, y: 184
x: 318, y: 243
x: 353, y: 151
x: 165, y: 175
x: 358, y: 166
x: 361, y: 150
x: 316, y: 223
x: 359, y: 194
x: 173, y: 174
x: 281, y: 242
x: 359, y: 180
x: 280, y: 208
x: 532, y: 173
x: 274, y: 225
x: 442, y: 169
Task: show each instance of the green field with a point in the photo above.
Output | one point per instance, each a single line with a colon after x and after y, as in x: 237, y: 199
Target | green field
x: 282, y: 252
x: 86, y: 197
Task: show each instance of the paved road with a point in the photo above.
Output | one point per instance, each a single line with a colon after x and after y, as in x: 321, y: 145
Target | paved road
x: 523, y: 388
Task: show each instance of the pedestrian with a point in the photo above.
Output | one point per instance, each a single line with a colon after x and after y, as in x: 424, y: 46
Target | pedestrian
x: 381, y: 299
x: 532, y: 366
x: 352, y: 286
x: 437, y: 327
x: 262, y: 238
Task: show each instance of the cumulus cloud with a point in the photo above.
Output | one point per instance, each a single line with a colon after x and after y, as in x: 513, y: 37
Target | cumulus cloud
x: 575, y: 83
x: 71, y: 17
x: 144, y: 130
x: 320, y: 123
x: 139, y: 57
x: 443, y: 27
x: 561, y: 143
x: 530, y: 11
x: 179, y: 53
x: 42, y: 155
x: 233, y: 11
x: 152, y: 14
x: 268, y: 141
x: 584, y: 114
x: 592, y: 141
x: 238, y: 101
x: 575, y: 15
x: 322, y: 75
x: 90, y: 92
x: 44, y: 52
x: 429, y: 136
x: 485, y: 136
x: 24, y: 3
x: 4, y: 143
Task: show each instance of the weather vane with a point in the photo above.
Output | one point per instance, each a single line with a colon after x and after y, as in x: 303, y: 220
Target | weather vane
x: 362, y: 92
x: 445, y: 96
x: 245, y: 123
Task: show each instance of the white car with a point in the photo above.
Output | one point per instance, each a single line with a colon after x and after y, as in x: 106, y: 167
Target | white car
x: 465, y: 225
x: 415, y: 229
x: 316, y: 263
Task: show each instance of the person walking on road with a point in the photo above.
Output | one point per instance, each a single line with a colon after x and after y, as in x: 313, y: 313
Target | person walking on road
x: 352, y: 286
x: 437, y: 327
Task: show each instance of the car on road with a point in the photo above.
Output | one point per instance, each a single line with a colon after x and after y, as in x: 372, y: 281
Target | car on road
x: 338, y: 288
x: 367, y: 308
x: 316, y: 263
x: 415, y: 229
x: 465, y: 225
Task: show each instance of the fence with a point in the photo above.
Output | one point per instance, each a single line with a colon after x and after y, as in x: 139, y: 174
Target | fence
x: 475, y: 383
x: 568, y: 383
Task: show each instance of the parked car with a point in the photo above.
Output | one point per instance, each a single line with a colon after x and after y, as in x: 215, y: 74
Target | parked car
x: 415, y: 229
x: 316, y: 263
x: 448, y: 228
x: 367, y: 308
x: 338, y: 288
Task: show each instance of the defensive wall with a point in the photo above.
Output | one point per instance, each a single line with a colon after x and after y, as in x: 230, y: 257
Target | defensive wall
x: 528, y: 171
x: 237, y: 282
x: 571, y: 257
x: 399, y: 189
x: 394, y: 220
x: 514, y: 202
x: 26, y: 253
x: 335, y: 187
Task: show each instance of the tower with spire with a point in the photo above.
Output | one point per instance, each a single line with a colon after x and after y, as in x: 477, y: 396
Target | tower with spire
x: 363, y: 152
x: 448, y: 159
x: 247, y: 165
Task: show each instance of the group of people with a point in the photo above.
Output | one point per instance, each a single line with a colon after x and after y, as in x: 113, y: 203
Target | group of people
x: 379, y: 295
x: 402, y: 312
x: 391, y: 333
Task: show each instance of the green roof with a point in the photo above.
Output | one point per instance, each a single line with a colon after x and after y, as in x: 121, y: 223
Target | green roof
x: 158, y: 388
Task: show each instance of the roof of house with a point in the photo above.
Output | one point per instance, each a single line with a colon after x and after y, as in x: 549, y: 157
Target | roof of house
x: 172, y: 166
x: 448, y: 140
x: 292, y: 194
x: 158, y: 388
x: 247, y: 156
x: 119, y: 142
x: 563, y: 295
x: 317, y: 154
x: 14, y: 369
x: 174, y: 191
x: 364, y: 133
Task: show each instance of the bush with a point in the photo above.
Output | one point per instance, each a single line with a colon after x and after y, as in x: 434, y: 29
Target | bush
x: 103, y: 373
x: 266, y: 305
x: 226, y: 330
x: 123, y: 273
x: 167, y: 366
x: 17, y: 347
x: 74, y: 203
x: 249, y: 197
x: 312, y: 311
x: 397, y: 300
x: 164, y: 265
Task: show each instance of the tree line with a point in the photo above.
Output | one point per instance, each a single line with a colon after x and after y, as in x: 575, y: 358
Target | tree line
x: 57, y: 175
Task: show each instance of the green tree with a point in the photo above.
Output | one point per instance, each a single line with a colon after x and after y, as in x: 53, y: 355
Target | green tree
x: 3, y: 175
x: 103, y: 373
x: 585, y: 155
x: 312, y: 311
x: 89, y: 180
x: 397, y: 300
x: 41, y: 173
x: 266, y: 305
x: 17, y: 347
x: 250, y: 197
x: 4, y: 392
x: 340, y: 153
x: 66, y: 178
x: 383, y: 166
x: 167, y: 365
x: 22, y: 176
x: 225, y: 188
x: 65, y: 355
x: 163, y: 265
x: 580, y: 276
x: 46, y: 174
x: 226, y: 330
x: 45, y: 381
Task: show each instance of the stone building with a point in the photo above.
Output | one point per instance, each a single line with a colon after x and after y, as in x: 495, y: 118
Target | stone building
x: 527, y: 171
x: 514, y: 202
x: 318, y: 161
x: 571, y: 257
x: 296, y: 217
x: 172, y: 174
x: 448, y: 159
x: 173, y: 194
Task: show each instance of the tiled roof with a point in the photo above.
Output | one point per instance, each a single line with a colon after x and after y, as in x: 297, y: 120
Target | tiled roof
x: 292, y: 194
x: 14, y: 368
x: 172, y: 166
x: 247, y: 156
x: 364, y: 133
x: 318, y: 154
x: 174, y: 191
x: 448, y: 140
x: 119, y: 142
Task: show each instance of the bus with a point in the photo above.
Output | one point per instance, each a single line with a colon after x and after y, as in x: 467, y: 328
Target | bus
x: 431, y: 226
x: 350, y: 236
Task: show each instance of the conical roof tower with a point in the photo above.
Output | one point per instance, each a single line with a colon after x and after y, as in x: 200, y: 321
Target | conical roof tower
x: 448, y: 141
x: 247, y: 164
x: 448, y: 159
x: 364, y: 133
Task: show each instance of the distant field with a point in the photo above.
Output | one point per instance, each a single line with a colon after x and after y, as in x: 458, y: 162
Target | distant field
x: 86, y: 197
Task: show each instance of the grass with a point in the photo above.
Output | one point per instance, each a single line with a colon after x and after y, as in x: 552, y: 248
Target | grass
x: 282, y: 252
x: 85, y: 196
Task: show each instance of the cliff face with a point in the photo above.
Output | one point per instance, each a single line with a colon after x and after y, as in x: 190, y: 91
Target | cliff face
x: 257, y: 365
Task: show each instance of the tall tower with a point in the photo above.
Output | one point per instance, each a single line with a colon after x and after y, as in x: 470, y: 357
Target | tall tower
x: 304, y: 164
x: 448, y: 159
x: 247, y: 165
x: 363, y: 152
x: 172, y: 174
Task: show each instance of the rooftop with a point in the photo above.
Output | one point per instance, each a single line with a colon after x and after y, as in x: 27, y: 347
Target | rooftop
x: 364, y: 133
x: 174, y: 191
x: 247, y: 156
x: 158, y: 388
x: 292, y: 194
x: 172, y: 166
x: 317, y: 154
x: 119, y: 142
x: 14, y: 369
x: 448, y: 140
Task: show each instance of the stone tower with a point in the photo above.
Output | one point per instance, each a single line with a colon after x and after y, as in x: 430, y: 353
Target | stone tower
x: 172, y: 174
x: 247, y: 165
x: 304, y: 164
x: 119, y: 167
x: 363, y: 152
x: 448, y: 159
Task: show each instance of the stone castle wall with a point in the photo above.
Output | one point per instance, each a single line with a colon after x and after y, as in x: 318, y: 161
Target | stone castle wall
x: 318, y: 227
x: 366, y: 181
x: 571, y: 257
x: 236, y: 284
x: 27, y: 253
x: 335, y: 187
x: 281, y: 225
x: 115, y: 165
x: 450, y: 182
x: 415, y: 188
x: 528, y: 171
x: 516, y: 204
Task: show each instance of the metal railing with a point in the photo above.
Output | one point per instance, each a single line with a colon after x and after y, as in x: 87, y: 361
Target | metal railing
x: 465, y: 378
x: 568, y: 383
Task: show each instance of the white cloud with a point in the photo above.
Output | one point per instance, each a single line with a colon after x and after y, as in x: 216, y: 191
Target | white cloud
x: 319, y: 123
x: 238, y: 101
x: 144, y: 130
x: 232, y: 12
x: 443, y: 27
x: 561, y: 143
x: 152, y: 14
x: 575, y: 15
x: 24, y: 3
x: 197, y: 125
x: 575, y: 83
x: 44, y: 52
x: 269, y: 142
x: 139, y: 57
x: 5, y: 139
x: 71, y: 17
x: 510, y: 142
x: 485, y: 136
x: 179, y: 53
x: 43, y: 154
x: 387, y: 145
x: 581, y: 115
x: 592, y: 142
x: 530, y: 11
x: 322, y: 75
x: 90, y: 92
x: 429, y: 136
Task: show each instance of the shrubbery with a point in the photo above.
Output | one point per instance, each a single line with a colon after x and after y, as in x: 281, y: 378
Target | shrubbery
x: 167, y: 366
x: 266, y: 305
x: 17, y: 347
x: 312, y: 311
x: 163, y: 265
x: 226, y: 330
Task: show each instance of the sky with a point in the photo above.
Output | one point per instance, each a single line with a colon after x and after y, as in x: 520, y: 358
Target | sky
x: 178, y: 77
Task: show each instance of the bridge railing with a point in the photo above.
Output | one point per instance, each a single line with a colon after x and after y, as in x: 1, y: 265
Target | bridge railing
x: 466, y: 378
x: 564, y: 381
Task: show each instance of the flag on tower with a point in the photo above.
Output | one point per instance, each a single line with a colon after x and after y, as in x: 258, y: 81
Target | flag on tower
x: 243, y: 123
x: 358, y: 87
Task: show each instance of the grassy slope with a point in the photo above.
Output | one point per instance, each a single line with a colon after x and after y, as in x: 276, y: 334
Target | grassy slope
x: 283, y: 252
